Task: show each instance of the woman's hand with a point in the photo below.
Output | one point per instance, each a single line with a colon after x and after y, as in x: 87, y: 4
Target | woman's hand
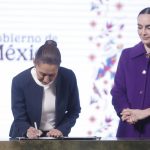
x: 33, y: 133
x: 54, y: 133
x: 133, y: 115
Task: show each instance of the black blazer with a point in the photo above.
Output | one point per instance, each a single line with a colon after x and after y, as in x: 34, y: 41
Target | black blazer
x: 26, y: 102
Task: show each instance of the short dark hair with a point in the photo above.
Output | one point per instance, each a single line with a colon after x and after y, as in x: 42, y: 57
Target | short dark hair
x: 145, y: 11
x: 48, y: 54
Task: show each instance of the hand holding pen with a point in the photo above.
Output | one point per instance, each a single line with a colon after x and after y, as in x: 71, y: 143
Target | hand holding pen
x: 38, y: 134
x: 33, y: 132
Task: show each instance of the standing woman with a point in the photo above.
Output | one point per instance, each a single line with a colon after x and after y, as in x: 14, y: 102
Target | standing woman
x: 44, y: 98
x: 131, y: 90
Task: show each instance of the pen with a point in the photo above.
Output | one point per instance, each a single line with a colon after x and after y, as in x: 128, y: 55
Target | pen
x: 35, y: 125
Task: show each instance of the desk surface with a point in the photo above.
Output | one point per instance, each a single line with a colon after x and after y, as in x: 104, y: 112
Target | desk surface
x: 110, y: 144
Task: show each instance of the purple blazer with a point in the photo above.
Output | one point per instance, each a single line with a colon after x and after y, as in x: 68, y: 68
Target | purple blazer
x: 132, y: 90
x: 26, y: 102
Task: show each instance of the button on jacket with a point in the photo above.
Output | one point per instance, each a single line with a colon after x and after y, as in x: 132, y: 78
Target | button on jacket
x: 132, y: 89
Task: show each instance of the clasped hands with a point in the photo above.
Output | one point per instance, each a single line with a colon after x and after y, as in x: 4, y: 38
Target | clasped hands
x: 132, y: 116
x: 34, y: 133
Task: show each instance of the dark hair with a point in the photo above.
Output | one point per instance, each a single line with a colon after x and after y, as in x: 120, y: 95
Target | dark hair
x: 145, y: 11
x: 48, y: 54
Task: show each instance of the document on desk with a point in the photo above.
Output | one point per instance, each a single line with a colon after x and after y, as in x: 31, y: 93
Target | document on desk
x: 39, y: 138
x: 81, y: 138
x: 60, y: 138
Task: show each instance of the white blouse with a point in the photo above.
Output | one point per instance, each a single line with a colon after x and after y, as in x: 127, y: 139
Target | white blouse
x: 48, y: 103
